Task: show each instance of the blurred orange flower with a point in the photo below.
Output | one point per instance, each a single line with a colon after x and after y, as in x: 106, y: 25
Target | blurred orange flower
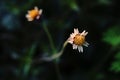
x: 34, y: 13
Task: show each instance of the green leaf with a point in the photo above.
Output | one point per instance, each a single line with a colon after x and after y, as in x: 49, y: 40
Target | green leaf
x: 27, y: 60
x: 112, y: 36
x: 115, y: 66
x: 104, y: 2
x: 117, y: 56
x: 72, y: 4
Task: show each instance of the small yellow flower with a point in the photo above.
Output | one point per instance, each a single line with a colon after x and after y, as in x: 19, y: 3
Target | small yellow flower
x: 78, y: 40
x: 34, y: 13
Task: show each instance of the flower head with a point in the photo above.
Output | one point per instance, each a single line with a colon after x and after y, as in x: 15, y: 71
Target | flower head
x: 78, y: 40
x: 34, y: 13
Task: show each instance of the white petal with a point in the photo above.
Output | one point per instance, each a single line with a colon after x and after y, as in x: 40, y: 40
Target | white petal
x: 76, y: 31
x: 72, y: 35
x: 38, y: 17
x: 36, y: 8
x: 30, y: 19
x: 80, y: 48
x: 40, y: 11
x: 70, y: 40
x: 75, y: 46
x: 28, y: 11
x: 83, y: 32
x: 27, y: 15
x: 86, y: 44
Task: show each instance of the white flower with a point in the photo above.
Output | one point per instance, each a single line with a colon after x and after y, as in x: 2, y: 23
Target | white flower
x: 34, y: 13
x: 78, y: 40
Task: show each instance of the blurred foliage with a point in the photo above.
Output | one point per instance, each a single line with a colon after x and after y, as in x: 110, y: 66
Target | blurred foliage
x: 104, y: 2
x: 100, y: 76
x: 72, y: 4
x: 17, y: 7
x: 26, y: 60
x: 115, y: 65
x: 112, y: 36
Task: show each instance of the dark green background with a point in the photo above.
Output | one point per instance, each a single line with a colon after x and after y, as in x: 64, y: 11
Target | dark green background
x: 23, y: 43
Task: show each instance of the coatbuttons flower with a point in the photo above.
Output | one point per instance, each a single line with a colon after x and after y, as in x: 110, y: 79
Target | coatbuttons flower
x: 34, y: 13
x: 78, y: 40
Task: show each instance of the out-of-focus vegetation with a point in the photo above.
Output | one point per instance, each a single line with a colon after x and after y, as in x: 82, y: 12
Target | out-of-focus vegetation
x: 116, y: 63
x: 112, y: 36
x: 24, y: 44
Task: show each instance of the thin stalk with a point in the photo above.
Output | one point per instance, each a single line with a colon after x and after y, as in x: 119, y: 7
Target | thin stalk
x: 57, y: 69
x: 55, y: 55
x: 49, y: 37
x: 53, y: 51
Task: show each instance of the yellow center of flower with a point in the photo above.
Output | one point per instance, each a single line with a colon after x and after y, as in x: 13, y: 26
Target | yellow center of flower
x: 79, y: 39
x: 34, y: 13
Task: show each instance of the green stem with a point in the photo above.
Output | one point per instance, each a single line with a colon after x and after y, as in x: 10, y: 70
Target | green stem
x: 49, y: 37
x: 57, y: 69
x: 56, y: 55
x: 54, y: 51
